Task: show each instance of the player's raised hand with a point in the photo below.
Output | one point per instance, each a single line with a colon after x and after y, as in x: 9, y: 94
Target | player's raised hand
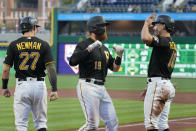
x: 119, y: 50
x: 97, y: 43
x: 53, y: 96
x: 150, y: 19
x: 6, y: 92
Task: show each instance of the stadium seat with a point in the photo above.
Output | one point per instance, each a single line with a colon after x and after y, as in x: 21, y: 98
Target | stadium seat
x: 121, y: 6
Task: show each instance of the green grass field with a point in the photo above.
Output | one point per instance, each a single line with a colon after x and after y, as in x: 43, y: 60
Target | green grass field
x: 192, y: 129
x: 120, y: 83
x: 66, y: 113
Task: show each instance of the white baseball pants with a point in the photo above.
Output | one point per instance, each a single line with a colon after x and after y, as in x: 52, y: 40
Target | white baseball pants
x: 96, y: 102
x: 30, y: 95
x: 159, y: 96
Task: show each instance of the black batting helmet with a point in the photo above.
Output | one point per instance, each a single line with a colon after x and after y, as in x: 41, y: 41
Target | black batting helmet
x: 96, y: 25
x: 28, y: 23
x: 168, y: 21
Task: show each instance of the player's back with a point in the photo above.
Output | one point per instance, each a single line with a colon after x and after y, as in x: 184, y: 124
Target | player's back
x: 29, y: 56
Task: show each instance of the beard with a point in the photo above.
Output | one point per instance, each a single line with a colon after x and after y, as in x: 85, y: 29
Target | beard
x: 102, y: 37
x: 156, y: 33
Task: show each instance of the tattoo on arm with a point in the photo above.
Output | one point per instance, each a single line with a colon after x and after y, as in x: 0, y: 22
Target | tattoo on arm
x: 52, y: 76
x: 5, y: 71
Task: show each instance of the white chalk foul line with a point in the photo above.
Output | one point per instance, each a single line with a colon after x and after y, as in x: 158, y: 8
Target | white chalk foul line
x: 129, y: 125
x: 141, y: 124
x: 189, y: 123
x: 182, y: 119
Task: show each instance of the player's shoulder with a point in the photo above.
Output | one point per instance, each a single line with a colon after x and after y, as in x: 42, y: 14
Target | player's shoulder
x: 83, y: 44
x: 161, y: 39
x: 40, y: 40
x: 105, y: 47
x: 14, y: 42
x: 44, y: 43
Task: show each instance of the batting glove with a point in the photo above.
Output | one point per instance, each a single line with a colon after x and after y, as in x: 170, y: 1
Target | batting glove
x: 119, y: 50
x: 97, y: 43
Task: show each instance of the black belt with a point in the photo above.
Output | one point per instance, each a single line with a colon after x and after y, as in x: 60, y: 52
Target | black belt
x: 25, y: 79
x: 162, y: 78
x: 95, y: 81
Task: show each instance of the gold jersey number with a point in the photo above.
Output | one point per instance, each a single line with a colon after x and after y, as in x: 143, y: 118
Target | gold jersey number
x: 173, y: 56
x: 172, y: 60
x: 97, y: 65
x: 26, y: 56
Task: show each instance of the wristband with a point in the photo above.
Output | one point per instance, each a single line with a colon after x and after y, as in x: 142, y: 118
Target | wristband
x: 5, y: 83
x: 118, y: 60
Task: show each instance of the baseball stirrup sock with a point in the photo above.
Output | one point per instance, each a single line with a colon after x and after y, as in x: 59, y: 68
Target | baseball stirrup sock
x: 153, y: 130
x: 42, y: 129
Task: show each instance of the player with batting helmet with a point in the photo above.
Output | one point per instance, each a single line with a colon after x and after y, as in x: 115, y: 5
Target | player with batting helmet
x: 94, y: 60
x: 160, y: 91
x: 30, y: 57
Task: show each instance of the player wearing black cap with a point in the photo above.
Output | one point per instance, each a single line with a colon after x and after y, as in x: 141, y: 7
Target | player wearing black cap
x: 160, y: 91
x: 94, y: 60
x: 30, y: 57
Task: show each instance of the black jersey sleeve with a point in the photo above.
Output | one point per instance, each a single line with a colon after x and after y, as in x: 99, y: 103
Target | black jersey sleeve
x: 160, y: 41
x: 48, y: 58
x: 79, y: 54
x: 9, y: 59
x: 110, y: 62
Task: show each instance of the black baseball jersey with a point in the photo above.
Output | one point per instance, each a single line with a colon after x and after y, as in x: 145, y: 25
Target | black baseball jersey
x: 163, y: 57
x: 94, y: 64
x: 30, y: 55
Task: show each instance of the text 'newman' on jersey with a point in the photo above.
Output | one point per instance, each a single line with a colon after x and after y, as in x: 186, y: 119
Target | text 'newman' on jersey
x: 28, y: 45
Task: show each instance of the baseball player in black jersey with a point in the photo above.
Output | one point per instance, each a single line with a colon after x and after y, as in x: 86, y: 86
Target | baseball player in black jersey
x: 94, y: 59
x: 30, y: 57
x: 160, y: 91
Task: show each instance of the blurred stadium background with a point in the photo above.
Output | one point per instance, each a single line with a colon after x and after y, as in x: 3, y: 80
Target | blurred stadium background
x: 64, y: 25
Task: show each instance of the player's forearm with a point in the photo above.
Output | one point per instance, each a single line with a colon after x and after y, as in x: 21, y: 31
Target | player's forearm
x: 145, y: 35
x: 52, y: 76
x: 5, y: 76
x: 116, y: 67
x: 116, y: 64
x: 76, y: 58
